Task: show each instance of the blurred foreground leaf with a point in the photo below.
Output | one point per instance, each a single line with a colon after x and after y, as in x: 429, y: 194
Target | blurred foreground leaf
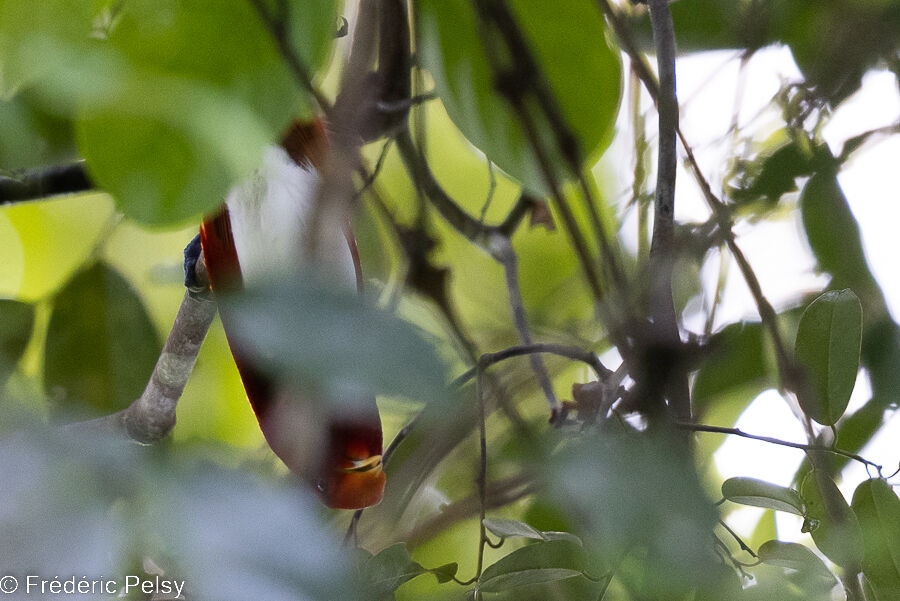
x: 320, y: 337
x: 635, y: 492
x: 89, y: 505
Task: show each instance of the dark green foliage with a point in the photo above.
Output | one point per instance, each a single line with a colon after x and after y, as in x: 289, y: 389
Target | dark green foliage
x: 16, y: 323
x: 101, y: 345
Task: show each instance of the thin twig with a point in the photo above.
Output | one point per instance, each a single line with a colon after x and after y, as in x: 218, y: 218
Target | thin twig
x: 482, y: 474
x: 481, y: 479
x: 571, y: 352
x: 740, y: 541
x: 508, y: 258
x: 777, y: 441
x: 492, y: 187
x: 424, y: 179
x: 379, y: 164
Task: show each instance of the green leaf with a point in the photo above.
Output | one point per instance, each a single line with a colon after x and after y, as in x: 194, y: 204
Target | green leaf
x: 386, y: 571
x: 390, y: 568
x: 738, y: 361
x: 832, y: 230
x: 540, y: 563
x: 16, y: 324
x: 828, y: 345
x: 526, y: 577
x: 750, y: 491
x: 320, y: 337
x: 446, y: 572
x: 878, y: 509
x: 794, y: 556
x: 837, y: 534
x: 101, y: 345
x: 574, y: 56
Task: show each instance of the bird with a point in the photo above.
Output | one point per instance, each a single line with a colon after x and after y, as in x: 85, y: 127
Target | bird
x: 261, y: 224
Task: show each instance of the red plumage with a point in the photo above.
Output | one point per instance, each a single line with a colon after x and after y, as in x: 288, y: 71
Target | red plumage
x: 344, y: 463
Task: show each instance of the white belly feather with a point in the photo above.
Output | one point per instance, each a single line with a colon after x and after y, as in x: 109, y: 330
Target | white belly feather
x: 269, y: 216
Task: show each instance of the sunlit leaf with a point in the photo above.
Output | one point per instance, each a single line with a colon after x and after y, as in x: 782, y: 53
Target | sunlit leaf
x: 750, y: 491
x: 878, y: 509
x: 317, y: 336
x: 573, y: 53
x: 828, y: 345
x: 505, y: 528
x: 793, y: 556
x: 837, y: 534
x: 101, y: 345
x: 16, y: 324
x: 511, y: 528
x: 765, y: 529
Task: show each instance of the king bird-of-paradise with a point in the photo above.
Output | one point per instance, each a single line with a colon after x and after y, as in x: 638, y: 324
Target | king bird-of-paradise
x: 261, y: 223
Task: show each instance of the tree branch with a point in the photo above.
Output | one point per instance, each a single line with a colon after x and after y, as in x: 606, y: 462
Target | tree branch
x: 767, y: 313
x: 662, y: 253
x: 151, y: 417
x: 40, y: 183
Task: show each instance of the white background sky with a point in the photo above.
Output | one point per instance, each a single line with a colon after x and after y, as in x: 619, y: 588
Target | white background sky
x: 778, y: 252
